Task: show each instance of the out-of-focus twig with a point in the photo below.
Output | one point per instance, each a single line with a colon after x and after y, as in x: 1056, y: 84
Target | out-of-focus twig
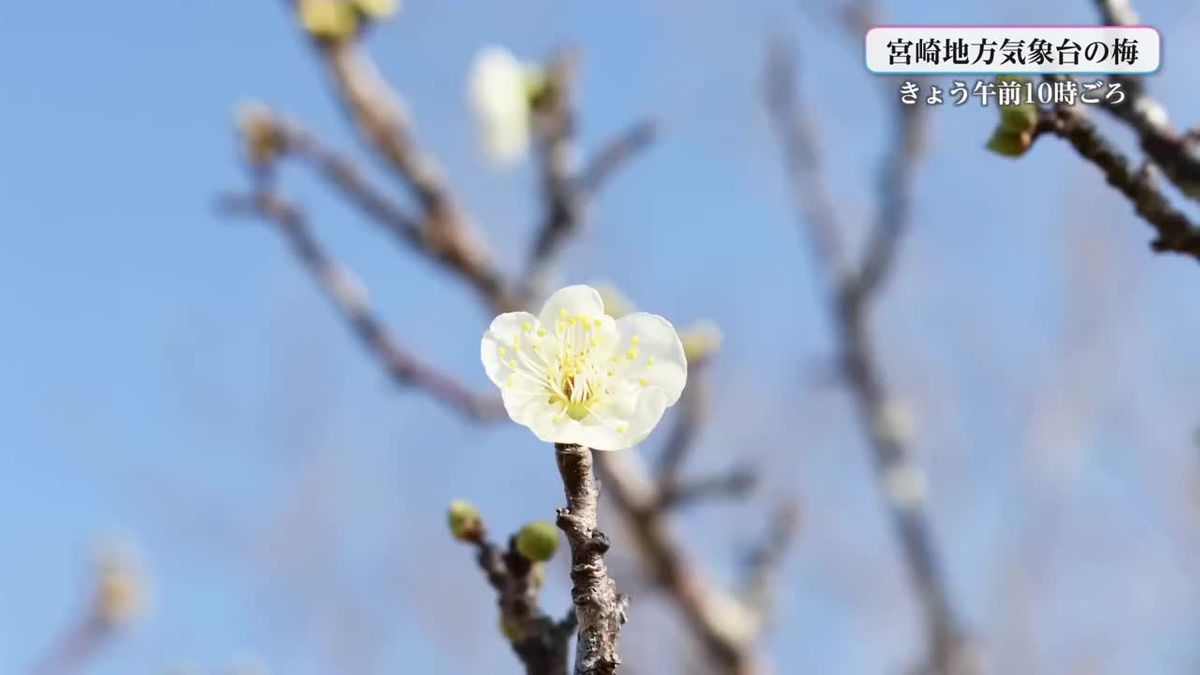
x: 347, y: 293
x: 566, y: 188
x: 766, y: 559
x: 74, y: 649
x: 802, y: 160
x: 614, y: 154
x: 689, y: 418
x: 853, y: 287
x: 380, y: 115
x: 735, y: 482
x: 554, y: 130
x: 118, y: 596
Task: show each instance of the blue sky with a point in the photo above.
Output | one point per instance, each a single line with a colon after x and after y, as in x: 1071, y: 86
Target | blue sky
x: 174, y: 378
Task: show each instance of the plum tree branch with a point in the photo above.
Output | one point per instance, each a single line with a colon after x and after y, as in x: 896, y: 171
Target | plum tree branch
x: 1176, y: 231
x: 599, y: 609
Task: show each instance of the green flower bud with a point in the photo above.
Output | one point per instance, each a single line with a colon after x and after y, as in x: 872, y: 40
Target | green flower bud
x: 464, y: 519
x: 539, y: 86
x: 1020, y: 117
x: 538, y: 541
x: 1008, y: 143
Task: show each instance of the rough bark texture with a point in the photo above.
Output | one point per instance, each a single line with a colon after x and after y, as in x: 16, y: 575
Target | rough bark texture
x: 599, y: 609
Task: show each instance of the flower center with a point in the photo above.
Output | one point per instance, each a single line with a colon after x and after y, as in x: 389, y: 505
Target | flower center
x: 576, y: 378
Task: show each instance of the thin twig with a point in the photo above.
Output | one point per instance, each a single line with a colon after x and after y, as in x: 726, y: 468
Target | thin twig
x: 380, y: 116
x: 615, y: 154
x: 801, y: 158
x: 73, y: 651
x: 735, y: 482
x: 895, y: 188
x: 691, y: 412
x: 344, y: 290
x: 567, y: 190
x: 555, y: 127
x: 767, y: 559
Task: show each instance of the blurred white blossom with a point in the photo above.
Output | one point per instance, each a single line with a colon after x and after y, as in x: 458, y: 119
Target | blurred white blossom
x: 573, y: 374
x: 499, y: 99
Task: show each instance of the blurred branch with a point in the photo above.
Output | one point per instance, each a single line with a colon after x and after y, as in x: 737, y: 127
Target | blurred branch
x: 735, y: 482
x: 343, y: 288
x: 615, y: 154
x: 1176, y: 232
x: 554, y: 130
x: 723, y: 625
x: 894, y: 212
x: 852, y: 293
x: 565, y: 188
x: 802, y: 159
x: 692, y: 411
x: 377, y: 111
x: 72, y: 652
x: 767, y: 559
x: 118, y: 596
x: 599, y: 609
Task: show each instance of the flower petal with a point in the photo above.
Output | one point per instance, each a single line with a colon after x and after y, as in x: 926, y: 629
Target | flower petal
x: 651, y: 355
x: 498, y: 343
x: 580, y: 300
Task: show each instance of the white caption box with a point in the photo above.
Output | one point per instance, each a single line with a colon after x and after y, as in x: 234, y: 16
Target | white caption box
x: 1013, y: 49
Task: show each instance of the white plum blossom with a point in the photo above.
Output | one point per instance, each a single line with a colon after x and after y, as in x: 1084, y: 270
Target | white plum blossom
x: 573, y: 374
x: 497, y: 94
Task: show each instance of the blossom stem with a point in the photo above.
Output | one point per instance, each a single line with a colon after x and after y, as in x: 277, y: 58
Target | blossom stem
x: 599, y: 609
